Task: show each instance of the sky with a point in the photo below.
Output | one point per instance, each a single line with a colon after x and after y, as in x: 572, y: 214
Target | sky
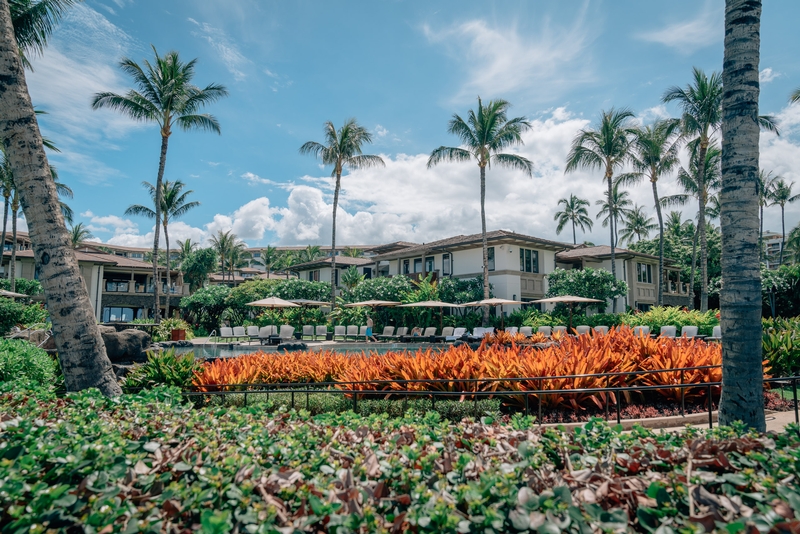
x: 402, y: 69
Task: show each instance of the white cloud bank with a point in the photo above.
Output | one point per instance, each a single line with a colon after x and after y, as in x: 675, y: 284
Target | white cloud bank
x: 698, y: 31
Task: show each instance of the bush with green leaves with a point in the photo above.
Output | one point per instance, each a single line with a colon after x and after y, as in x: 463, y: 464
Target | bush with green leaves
x: 659, y: 316
x: 205, y: 306
x: 589, y: 283
x: 781, y: 343
x: 459, y: 291
x: 20, y: 360
x: 296, y: 317
x: 163, y: 332
x: 14, y: 313
x: 164, y: 368
x: 197, y: 266
x: 781, y: 291
x: 238, y: 311
x: 149, y: 462
x: 23, y: 285
x: 382, y: 288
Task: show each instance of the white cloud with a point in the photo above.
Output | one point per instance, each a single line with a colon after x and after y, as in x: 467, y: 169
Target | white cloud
x: 380, y: 131
x: 781, y: 155
x: 227, y: 50
x: 767, y: 75
x: 697, y: 31
x: 254, y: 179
x: 250, y: 221
x: 501, y: 59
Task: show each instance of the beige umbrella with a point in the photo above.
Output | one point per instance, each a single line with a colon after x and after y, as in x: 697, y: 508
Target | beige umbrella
x: 311, y: 303
x: 495, y: 302
x: 372, y: 303
x: 432, y: 304
x: 11, y: 294
x: 273, y: 302
x: 567, y: 299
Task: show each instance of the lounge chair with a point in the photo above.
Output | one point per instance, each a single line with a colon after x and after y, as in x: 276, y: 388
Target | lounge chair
x: 406, y: 336
x: 561, y: 329
x: 239, y: 332
x: 321, y: 332
x: 286, y: 332
x: 668, y: 331
x: 716, y: 334
x: 447, y: 331
x: 689, y: 331
x: 601, y: 329
x: 340, y: 331
x: 352, y: 331
x: 526, y: 331
x: 308, y: 332
x: 362, y: 332
x: 546, y: 330
x: 252, y: 332
x: 388, y: 333
x: 460, y: 332
x: 265, y: 332
x: 225, y: 332
x: 641, y: 331
x: 429, y: 332
x: 582, y: 329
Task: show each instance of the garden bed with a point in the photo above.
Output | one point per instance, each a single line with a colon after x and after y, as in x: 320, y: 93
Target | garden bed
x: 149, y: 463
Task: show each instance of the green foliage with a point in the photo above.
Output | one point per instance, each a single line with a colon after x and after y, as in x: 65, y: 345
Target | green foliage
x: 89, y: 462
x: 781, y: 343
x: 23, y: 285
x: 163, y: 332
x: 659, y: 316
x: 13, y: 313
x: 782, y: 285
x: 206, y: 305
x: 350, y: 278
x: 459, y: 291
x: 20, y: 360
x: 589, y: 283
x: 238, y: 310
x: 296, y: 317
x: 164, y: 369
x: 349, y: 316
x: 197, y: 266
x: 382, y: 288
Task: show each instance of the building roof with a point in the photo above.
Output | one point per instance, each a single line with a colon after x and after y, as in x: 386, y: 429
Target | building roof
x: 391, y: 247
x: 81, y: 256
x: 326, y: 262
x: 599, y: 252
x: 467, y: 241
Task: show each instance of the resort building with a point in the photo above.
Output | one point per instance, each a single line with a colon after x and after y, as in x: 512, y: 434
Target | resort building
x: 773, y: 242
x: 320, y: 270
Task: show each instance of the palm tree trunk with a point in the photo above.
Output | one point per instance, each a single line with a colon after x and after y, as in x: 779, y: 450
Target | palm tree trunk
x: 693, y: 270
x: 740, y: 299
x: 613, y: 235
x: 485, y: 247
x: 162, y: 161
x: 701, y: 229
x: 5, y: 225
x: 761, y: 231
x: 574, y: 237
x: 660, y: 300
x: 12, y: 267
x: 81, y: 350
x: 333, y: 239
x: 783, y: 234
x: 166, y: 238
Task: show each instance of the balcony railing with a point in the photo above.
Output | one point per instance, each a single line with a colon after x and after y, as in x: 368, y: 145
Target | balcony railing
x: 117, y: 287
x: 138, y: 288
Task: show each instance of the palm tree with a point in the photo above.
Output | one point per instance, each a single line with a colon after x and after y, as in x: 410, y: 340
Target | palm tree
x: 793, y: 244
x: 781, y: 195
x: 310, y: 253
x: 740, y: 297
x: 353, y: 252
x: 238, y: 257
x: 605, y: 148
x: 674, y: 225
x: 34, y: 22
x: 185, y: 249
x: 269, y: 259
x: 701, y: 105
x: 342, y: 148
x: 574, y: 212
x: 78, y: 234
x: 80, y: 347
x: 351, y: 277
x: 289, y: 258
x: 174, y: 204
x: 166, y: 96
x: 637, y: 225
x: 766, y: 182
x: 699, y: 188
x: 655, y: 154
x: 484, y: 135
x: 616, y: 211
x: 223, y: 243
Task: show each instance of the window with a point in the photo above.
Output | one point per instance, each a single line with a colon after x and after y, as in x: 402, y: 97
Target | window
x: 644, y: 273
x: 257, y: 254
x: 418, y: 265
x: 528, y: 260
x: 313, y: 276
x: 429, y: 264
x: 490, y: 256
x: 137, y: 255
x: 121, y: 315
x: 405, y: 267
x: 643, y: 307
x: 446, y: 267
x: 367, y: 273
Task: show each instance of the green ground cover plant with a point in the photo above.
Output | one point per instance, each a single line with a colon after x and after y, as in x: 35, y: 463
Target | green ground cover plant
x: 20, y: 360
x: 165, y: 368
x: 150, y: 463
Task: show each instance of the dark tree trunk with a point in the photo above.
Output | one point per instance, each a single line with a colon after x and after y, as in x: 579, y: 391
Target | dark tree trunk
x: 80, y: 347
x: 12, y: 267
x: 660, y: 300
x: 162, y: 162
x: 333, y: 239
x: 693, y: 270
x: 740, y: 299
x: 485, y: 247
x: 613, y: 234
x: 574, y: 236
x: 5, y: 225
x: 783, y: 234
x: 166, y: 239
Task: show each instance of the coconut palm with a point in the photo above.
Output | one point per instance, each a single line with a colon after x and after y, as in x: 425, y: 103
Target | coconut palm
x: 780, y: 195
x: 353, y: 252
x: 765, y: 183
x: 269, y: 259
x: 310, y: 253
x: 288, y: 259
x: 34, y: 22
x: 701, y: 106
x: 605, y: 148
x: 740, y: 297
x: 636, y: 224
x: 484, y: 135
x: 238, y: 257
x: 342, y: 148
x: 164, y: 95
x: 674, y: 225
x: 614, y: 212
x: 655, y: 154
x: 78, y: 234
x: 223, y: 243
x: 793, y: 245
x: 174, y: 204
x: 575, y: 213
x: 80, y: 347
x: 185, y: 249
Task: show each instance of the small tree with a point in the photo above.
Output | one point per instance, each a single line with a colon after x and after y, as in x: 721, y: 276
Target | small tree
x: 197, y: 265
x: 589, y: 283
x: 351, y: 278
x: 206, y: 306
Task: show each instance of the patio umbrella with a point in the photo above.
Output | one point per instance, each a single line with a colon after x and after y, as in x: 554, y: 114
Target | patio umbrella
x: 432, y: 304
x: 372, y: 303
x: 495, y: 302
x: 310, y: 303
x: 567, y: 299
x: 11, y: 294
x: 273, y: 302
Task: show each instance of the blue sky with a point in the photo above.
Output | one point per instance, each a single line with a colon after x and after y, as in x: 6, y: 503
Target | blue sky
x: 402, y: 69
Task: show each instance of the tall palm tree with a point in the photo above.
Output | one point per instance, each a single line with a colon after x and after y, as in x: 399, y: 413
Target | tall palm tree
x: 574, y: 212
x: 674, y: 225
x: 793, y: 244
x: 269, y: 259
x: 698, y: 187
x: 766, y: 182
x: 655, y: 154
x: 164, y: 95
x: 614, y: 212
x: 342, y: 148
x: 78, y: 234
x: 701, y: 106
x: 80, y: 347
x: 484, y: 135
x: 353, y: 252
x: 238, y: 257
x: 781, y: 195
x: 174, y: 204
x: 223, y: 243
x: 289, y: 258
x: 637, y: 225
x: 740, y: 297
x: 310, y: 253
x: 185, y: 249
x: 605, y: 148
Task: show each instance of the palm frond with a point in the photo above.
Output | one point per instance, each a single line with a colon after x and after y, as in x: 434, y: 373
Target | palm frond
x: 444, y: 153
x: 365, y: 162
x: 138, y: 209
x: 204, y: 121
x: 513, y: 161
x: 34, y: 22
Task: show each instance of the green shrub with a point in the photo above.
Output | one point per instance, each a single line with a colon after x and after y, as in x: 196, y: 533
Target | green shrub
x: 659, y: 316
x: 589, y: 283
x: 23, y: 285
x: 164, y: 369
x: 781, y: 342
x: 163, y: 332
x: 20, y: 360
x: 206, y: 306
x: 297, y: 317
x: 12, y: 313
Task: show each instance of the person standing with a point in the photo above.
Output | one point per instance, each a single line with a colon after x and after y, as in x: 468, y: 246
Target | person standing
x: 369, y: 336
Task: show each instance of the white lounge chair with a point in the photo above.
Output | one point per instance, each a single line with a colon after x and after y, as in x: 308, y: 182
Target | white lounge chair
x: 668, y: 331
x: 388, y: 333
x: 352, y: 331
x: 308, y: 331
x: 526, y: 331
x: 340, y: 331
x: 689, y: 331
x: 641, y: 331
x: 430, y: 331
x: 239, y: 331
x: 716, y: 334
x: 546, y: 330
x: 265, y: 332
x: 286, y: 332
x: 225, y: 332
x: 447, y: 331
x: 321, y: 332
x: 582, y: 329
x: 601, y: 329
x: 252, y: 332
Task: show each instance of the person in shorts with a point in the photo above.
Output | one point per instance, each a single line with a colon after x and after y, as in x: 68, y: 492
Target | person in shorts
x: 369, y: 336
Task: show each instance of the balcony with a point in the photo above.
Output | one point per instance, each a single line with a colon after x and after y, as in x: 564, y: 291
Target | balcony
x: 142, y: 289
x: 677, y: 288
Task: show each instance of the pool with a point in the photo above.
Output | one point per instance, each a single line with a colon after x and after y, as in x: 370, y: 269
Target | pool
x: 229, y: 350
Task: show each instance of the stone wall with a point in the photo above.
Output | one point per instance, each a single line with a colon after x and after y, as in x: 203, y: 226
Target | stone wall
x: 676, y: 300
